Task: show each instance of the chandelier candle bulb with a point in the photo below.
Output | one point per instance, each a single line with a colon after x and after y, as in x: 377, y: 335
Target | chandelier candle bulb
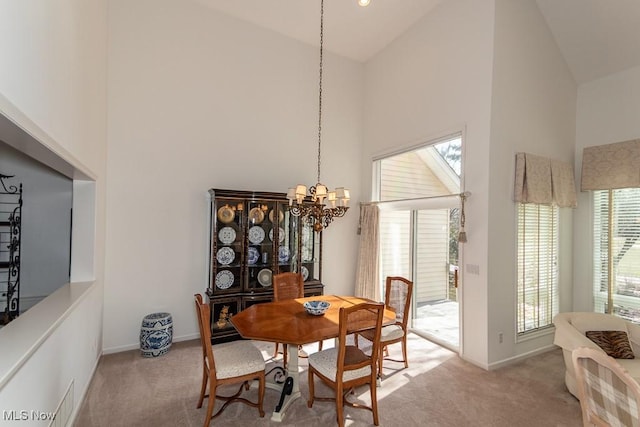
x: 332, y: 198
x: 301, y: 192
x: 321, y: 192
x: 346, y: 197
x: 291, y: 195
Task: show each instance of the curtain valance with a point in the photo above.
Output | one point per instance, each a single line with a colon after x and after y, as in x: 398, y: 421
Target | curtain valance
x: 544, y: 181
x: 606, y: 167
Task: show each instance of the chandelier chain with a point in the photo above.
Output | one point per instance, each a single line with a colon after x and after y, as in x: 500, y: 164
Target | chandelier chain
x: 312, y: 206
x: 320, y: 85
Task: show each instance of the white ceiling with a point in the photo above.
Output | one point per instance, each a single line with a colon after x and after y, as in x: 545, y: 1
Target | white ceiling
x: 350, y: 30
x: 596, y: 37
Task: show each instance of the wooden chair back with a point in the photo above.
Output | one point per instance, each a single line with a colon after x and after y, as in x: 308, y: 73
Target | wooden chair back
x: 398, y: 291
x: 204, y: 318
x: 287, y: 286
x: 358, y: 318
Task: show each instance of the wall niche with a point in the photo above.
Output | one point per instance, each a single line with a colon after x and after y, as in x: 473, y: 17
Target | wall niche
x: 45, y: 232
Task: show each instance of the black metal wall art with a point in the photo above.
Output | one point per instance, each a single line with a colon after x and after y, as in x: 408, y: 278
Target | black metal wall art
x: 10, y: 230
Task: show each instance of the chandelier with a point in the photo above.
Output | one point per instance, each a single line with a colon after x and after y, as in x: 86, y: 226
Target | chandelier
x: 313, y: 207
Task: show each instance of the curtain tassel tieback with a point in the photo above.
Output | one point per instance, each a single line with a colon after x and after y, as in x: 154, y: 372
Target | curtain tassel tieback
x: 462, y: 235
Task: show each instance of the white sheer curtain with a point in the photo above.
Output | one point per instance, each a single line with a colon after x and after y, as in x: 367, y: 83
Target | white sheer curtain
x: 367, y: 274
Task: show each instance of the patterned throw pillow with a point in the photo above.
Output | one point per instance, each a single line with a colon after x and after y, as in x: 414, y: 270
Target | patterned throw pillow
x: 614, y: 343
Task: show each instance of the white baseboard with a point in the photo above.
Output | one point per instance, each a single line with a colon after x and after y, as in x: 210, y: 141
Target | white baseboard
x: 136, y: 346
x: 520, y: 357
x: 475, y: 362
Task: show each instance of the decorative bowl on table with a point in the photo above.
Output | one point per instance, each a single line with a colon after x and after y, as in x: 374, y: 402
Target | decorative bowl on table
x: 316, y: 308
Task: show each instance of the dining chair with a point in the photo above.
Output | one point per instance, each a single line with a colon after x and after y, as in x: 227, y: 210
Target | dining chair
x: 609, y: 395
x: 238, y: 362
x: 346, y: 366
x: 398, y: 291
x: 288, y: 286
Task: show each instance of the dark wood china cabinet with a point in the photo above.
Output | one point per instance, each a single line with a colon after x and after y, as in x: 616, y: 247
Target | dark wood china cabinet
x: 253, y: 236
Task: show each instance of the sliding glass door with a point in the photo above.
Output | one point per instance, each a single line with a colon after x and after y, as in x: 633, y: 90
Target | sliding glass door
x: 421, y: 245
x: 436, y: 303
x: 419, y: 217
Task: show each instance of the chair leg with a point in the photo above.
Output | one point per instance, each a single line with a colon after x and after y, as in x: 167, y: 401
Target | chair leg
x: 404, y: 351
x: 356, y: 340
x: 210, y: 405
x: 374, y: 401
x: 311, y: 389
x: 339, y: 404
x: 275, y: 353
x: 320, y: 345
x: 261, y: 396
x: 203, y: 389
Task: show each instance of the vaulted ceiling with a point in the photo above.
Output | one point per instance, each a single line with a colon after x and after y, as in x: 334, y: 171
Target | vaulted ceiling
x: 596, y: 37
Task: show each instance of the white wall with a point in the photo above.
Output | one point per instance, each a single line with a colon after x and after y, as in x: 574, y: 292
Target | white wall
x: 433, y: 80
x: 53, y: 86
x: 533, y: 110
x: 200, y: 100
x: 46, y: 225
x: 608, y: 111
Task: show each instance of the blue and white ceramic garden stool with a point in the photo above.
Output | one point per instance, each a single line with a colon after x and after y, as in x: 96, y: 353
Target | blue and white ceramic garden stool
x: 156, y: 334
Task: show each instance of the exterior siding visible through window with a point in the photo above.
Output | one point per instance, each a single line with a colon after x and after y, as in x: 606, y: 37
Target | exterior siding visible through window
x: 537, y: 293
x: 406, y: 176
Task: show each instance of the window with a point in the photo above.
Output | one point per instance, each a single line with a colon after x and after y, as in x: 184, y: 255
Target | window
x: 616, y: 213
x: 429, y: 171
x: 537, y: 266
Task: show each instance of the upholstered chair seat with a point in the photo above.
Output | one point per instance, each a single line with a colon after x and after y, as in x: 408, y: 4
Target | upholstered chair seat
x: 236, y: 359
x: 326, y: 363
x: 388, y: 333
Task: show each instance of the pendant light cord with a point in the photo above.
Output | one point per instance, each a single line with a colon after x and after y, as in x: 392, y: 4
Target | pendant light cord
x: 320, y: 85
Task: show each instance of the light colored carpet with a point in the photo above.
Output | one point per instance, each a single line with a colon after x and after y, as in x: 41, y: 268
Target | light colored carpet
x: 438, y: 389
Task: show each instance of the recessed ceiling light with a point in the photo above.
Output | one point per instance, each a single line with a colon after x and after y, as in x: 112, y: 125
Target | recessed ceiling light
x: 364, y: 2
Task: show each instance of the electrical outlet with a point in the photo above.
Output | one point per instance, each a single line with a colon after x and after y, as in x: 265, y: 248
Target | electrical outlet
x: 500, y: 337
